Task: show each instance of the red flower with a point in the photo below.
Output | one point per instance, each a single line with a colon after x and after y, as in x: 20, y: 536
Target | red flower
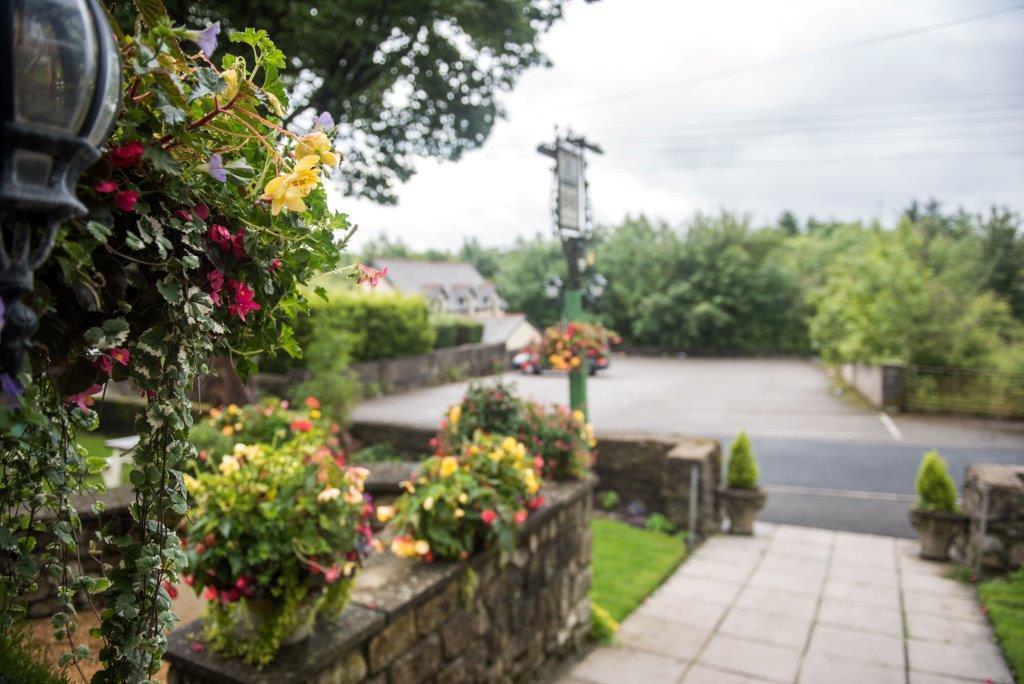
x: 312, y: 402
x: 301, y: 425
x: 125, y: 200
x: 332, y: 574
x: 210, y: 594
x: 274, y: 265
x: 197, y: 647
x: 241, y: 583
x: 171, y: 590
x: 121, y: 355
x: 105, y: 186
x: 244, y: 299
x: 219, y: 235
x: 538, y: 462
x: 188, y: 579
x: 105, y: 364
x: 520, y: 517
x: 488, y: 516
x: 126, y: 155
x: 216, y: 281
x: 238, y: 244
x: 535, y: 503
x: 202, y: 211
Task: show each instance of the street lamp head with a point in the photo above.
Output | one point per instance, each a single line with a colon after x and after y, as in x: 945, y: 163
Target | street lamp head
x: 597, y: 285
x: 553, y: 287
x: 60, y: 87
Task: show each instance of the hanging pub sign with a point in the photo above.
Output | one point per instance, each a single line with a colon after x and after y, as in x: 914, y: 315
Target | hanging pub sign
x: 571, y: 193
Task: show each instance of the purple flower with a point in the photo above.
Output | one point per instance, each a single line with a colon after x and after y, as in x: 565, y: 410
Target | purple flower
x: 10, y: 386
x: 323, y: 122
x: 215, y: 167
x: 205, y: 39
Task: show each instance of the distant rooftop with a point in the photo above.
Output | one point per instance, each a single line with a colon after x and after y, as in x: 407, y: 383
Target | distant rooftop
x: 411, y: 275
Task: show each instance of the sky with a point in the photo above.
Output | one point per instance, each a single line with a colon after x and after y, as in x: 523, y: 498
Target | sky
x: 752, y: 106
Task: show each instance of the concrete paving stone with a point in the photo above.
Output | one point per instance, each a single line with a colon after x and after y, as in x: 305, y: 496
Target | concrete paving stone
x: 806, y: 585
x: 702, y: 674
x: 750, y: 658
x: 776, y: 603
x: 932, y: 678
x: 684, y: 610
x: 710, y: 568
x: 936, y: 584
x: 663, y: 638
x: 794, y: 566
x: 946, y: 630
x: 874, y: 542
x: 818, y: 669
x: 848, y: 644
x: 844, y: 590
x: 868, y: 575
x: 790, y: 550
x: 773, y: 629
x: 943, y: 606
x: 700, y: 588
x: 792, y: 534
x: 977, y: 661
x: 861, y: 616
x: 615, y: 665
x: 883, y: 560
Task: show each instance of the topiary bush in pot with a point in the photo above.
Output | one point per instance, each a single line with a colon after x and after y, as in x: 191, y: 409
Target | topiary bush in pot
x: 742, y: 497
x: 936, y: 516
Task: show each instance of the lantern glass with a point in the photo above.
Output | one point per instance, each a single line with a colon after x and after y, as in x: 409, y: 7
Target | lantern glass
x: 111, y: 91
x: 55, y: 61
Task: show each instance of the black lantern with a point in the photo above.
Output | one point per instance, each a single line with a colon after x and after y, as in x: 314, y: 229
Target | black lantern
x: 60, y: 87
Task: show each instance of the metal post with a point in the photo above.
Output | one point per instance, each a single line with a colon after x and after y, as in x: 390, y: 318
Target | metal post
x: 573, y: 311
x: 982, y: 530
x: 691, y: 539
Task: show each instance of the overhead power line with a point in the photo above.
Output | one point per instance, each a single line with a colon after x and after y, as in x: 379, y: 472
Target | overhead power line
x: 811, y: 54
x: 809, y: 161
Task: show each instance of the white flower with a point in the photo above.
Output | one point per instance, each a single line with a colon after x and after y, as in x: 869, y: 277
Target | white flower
x: 329, y: 494
x: 229, y: 465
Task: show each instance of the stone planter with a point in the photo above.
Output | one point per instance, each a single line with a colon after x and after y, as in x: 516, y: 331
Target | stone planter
x: 742, y: 507
x: 252, y: 615
x: 937, y: 529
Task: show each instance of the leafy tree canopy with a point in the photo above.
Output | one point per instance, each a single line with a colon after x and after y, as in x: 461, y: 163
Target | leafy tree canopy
x: 402, y: 78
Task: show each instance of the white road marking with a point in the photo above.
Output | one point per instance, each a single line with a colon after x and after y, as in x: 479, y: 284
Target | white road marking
x: 841, y: 493
x: 894, y: 431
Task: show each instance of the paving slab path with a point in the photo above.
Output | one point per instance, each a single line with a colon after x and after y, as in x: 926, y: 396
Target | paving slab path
x: 799, y: 604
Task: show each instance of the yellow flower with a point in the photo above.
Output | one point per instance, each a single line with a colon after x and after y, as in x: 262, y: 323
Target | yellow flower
x: 385, y: 513
x: 578, y: 416
x: 314, y: 414
x: 459, y: 513
x: 428, y: 503
x: 357, y: 477
x: 227, y: 430
x: 191, y: 483
x: 454, y: 415
x: 407, y: 486
x: 233, y: 410
x: 353, y: 496
x: 231, y: 78
x: 509, y: 444
x: 463, y: 498
x: 532, y: 483
x: 216, y: 413
x: 422, y: 547
x: 348, y: 568
x: 404, y: 547
x: 496, y: 455
x: 449, y: 465
x: 329, y: 494
x: 288, y: 189
x: 318, y: 144
x: 229, y: 465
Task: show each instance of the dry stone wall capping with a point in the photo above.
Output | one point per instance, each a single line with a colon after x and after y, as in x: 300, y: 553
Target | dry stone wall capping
x: 1002, y: 545
x: 412, y: 622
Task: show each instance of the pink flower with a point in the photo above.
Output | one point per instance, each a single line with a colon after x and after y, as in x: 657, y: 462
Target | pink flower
x: 171, y: 590
x: 105, y: 186
x: 126, y: 155
x: 121, y: 355
x: 125, y: 200
x: 332, y: 573
x: 520, y: 517
x: 241, y: 583
x: 488, y: 516
x: 197, y: 647
x: 370, y: 276
x: 210, y: 594
x: 274, y: 265
x: 535, y: 503
x: 188, y: 579
x: 215, y: 279
x: 244, y: 299
x: 202, y: 211
x: 105, y: 364
x: 219, y: 235
x: 83, y: 399
x: 238, y: 244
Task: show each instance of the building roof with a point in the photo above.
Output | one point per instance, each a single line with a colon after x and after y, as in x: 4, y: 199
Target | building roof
x: 410, y: 275
x: 498, y: 328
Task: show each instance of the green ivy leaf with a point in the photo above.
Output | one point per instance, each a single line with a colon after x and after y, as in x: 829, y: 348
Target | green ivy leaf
x: 170, y: 290
x: 98, y: 231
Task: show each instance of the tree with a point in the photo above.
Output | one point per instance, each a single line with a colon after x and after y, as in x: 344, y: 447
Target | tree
x: 402, y: 78
x: 520, y: 280
x: 789, y: 224
x: 1003, y: 256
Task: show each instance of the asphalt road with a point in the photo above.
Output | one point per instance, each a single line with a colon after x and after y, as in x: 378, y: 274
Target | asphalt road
x: 826, y: 458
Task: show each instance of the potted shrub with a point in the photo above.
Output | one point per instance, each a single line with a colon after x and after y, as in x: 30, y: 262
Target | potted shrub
x: 462, y: 502
x: 742, y: 498
x: 277, y: 534
x: 936, y: 517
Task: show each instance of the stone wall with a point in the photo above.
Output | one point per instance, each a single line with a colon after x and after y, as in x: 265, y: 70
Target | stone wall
x: 1002, y: 547
x: 406, y: 372
x: 884, y: 386
x: 412, y: 622
x: 654, y: 471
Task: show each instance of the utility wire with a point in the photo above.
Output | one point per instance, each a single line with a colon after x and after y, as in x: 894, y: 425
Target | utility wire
x: 789, y: 59
x: 744, y: 164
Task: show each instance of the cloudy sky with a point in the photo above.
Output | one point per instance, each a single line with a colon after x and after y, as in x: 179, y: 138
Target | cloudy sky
x: 746, y: 105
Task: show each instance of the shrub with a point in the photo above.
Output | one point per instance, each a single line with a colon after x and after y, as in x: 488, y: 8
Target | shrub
x: 492, y: 407
x: 659, y: 523
x: 462, y: 501
x: 602, y: 625
x: 609, y: 500
x: 742, y: 471
x: 445, y: 331
x: 22, y: 661
x: 326, y: 356
x: 562, y: 438
x: 284, y: 525
x: 381, y: 452
x: 936, y: 490
x: 468, y: 331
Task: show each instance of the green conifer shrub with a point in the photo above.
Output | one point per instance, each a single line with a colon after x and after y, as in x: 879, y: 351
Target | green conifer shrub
x: 742, y: 472
x: 936, y: 490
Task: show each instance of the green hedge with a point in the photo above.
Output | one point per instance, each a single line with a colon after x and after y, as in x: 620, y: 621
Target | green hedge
x: 456, y: 330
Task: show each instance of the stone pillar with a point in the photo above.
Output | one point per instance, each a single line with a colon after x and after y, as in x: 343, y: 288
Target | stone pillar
x: 1002, y: 548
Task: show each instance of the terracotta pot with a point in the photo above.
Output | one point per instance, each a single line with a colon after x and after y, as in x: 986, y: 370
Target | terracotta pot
x: 937, y: 529
x: 742, y: 507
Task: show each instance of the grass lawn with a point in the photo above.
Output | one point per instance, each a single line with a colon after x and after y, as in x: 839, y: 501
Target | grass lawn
x: 94, y: 442
x: 630, y: 563
x: 1004, y: 600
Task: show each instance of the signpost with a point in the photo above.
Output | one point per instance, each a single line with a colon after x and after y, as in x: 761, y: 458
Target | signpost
x: 574, y: 229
